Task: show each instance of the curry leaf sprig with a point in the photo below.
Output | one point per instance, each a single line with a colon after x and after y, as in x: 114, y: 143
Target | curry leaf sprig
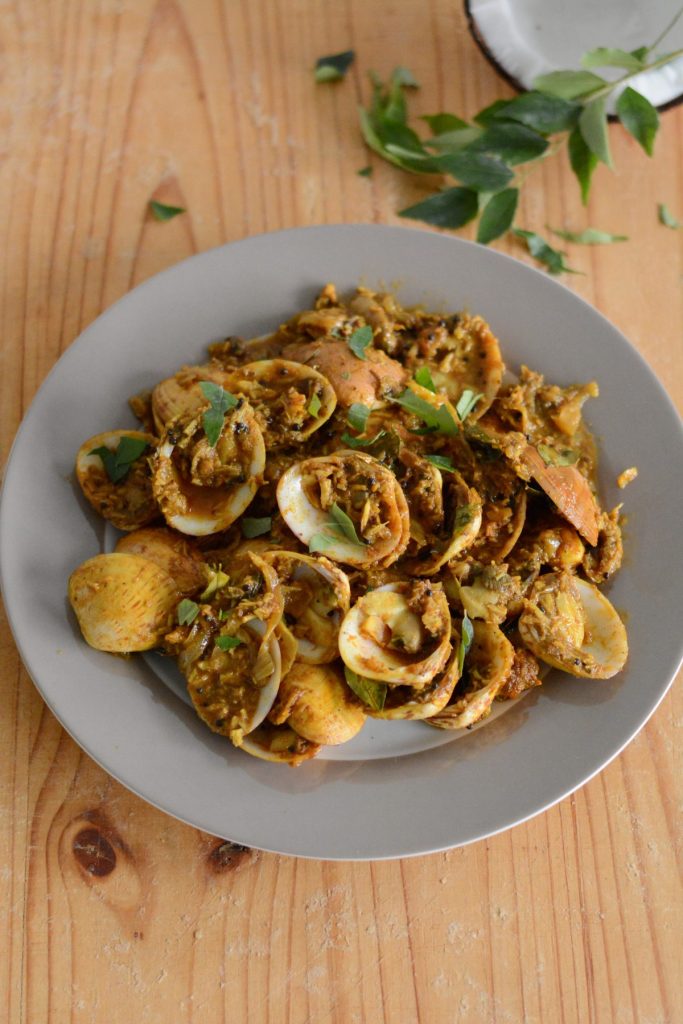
x: 489, y: 155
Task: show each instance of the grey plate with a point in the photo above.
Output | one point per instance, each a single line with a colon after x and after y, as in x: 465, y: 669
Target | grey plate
x: 355, y: 807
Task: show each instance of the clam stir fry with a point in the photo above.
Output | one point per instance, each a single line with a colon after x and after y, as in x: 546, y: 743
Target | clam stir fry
x: 359, y: 515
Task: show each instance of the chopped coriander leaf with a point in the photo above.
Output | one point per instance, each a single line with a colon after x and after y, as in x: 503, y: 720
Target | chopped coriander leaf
x: 117, y: 463
x: 228, y: 643
x: 160, y: 211
x: 314, y: 406
x: 466, y: 638
x: 359, y: 340
x: 437, y: 419
x: 370, y: 692
x: 424, y: 378
x: 357, y: 416
x: 213, y: 419
x: 187, y: 611
x: 467, y: 403
x: 442, y: 462
x: 255, y: 527
x: 333, y: 67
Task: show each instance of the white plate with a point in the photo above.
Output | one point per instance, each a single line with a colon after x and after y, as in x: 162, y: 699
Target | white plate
x: 527, y: 38
x: 357, y: 806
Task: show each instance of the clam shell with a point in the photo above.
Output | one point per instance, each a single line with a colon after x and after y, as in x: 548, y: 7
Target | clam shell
x: 128, y: 504
x: 172, y: 552
x: 319, y: 705
x: 489, y: 663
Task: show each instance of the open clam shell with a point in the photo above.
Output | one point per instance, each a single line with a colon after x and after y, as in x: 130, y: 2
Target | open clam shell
x: 488, y: 665
x: 317, y: 596
x: 172, y: 552
x: 409, y: 704
x: 462, y: 521
x: 291, y: 401
x: 180, y: 397
x: 201, y: 489
x: 279, y: 743
x: 370, y: 497
x: 571, y: 625
x: 398, y: 634
x: 129, y: 503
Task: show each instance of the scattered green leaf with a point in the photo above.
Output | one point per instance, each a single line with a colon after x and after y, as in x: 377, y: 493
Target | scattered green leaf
x: 582, y: 162
x: 345, y: 524
x: 452, y: 208
x: 498, y: 215
x: 442, y: 462
x: 217, y: 580
x: 371, y: 693
x: 362, y: 442
x: 404, y: 76
x: 466, y: 638
x: 214, y: 417
x: 357, y: 416
x: 589, y: 236
x: 552, y: 259
x: 255, y: 527
x: 333, y: 67
x: 467, y: 403
x: 639, y: 118
x: 228, y: 643
x: 339, y: 528
x: 187, y: 611
x: 424, y: 378
x: 117, y: 463
x: 160, y: 211
x: 569, y: 85
x: 365, y: 172
x: 359, y: 340
x: 315, y: 405
x: 667, y: 218
x: 437, y: 419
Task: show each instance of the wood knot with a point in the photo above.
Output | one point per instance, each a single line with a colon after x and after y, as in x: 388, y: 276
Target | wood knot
x: 227, y: 855
x: 94, y: 852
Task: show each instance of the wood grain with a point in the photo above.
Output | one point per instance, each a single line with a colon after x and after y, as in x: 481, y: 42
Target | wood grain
x: 111, y: 911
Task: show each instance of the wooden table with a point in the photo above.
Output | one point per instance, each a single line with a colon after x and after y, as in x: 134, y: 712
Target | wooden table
x: 569, y: 918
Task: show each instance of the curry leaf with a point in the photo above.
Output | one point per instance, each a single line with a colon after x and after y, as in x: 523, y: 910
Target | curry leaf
x: 442, y: 462
x: 541, y: 112
x: 551, y: 258
x: 498, y: 215
x: 466, y: 638
x: 220, y: 402
x: 606, y: 57
x: 117, y: 462
x: 569, y: 85
x: 345, y: 524
x: 339, y: 528
x: 479, y: 171
x: 638, y: 117
x: 357, y: 416
x: 437, y: 419
x: 593, y: 128
x: 333, y: 67
x: 370, y: 692
x: 365, y: 172
x: 187, y: 611
x: 315, y: 405
x: 490, y: 113
x: 228, y: 643
x: 440, y: 123
x: 255, y: 527
x: 667, y: 218
x: 424, y: 378
x: 451, y: 208
x: 582, y: 162
x: 589, y: 236
x: 509, y: 141
x: 466, y: 403
x: 359, y: 340
x: 160, y: 211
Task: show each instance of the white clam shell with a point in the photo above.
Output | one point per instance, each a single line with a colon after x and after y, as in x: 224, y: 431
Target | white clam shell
x: 387, y: 608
